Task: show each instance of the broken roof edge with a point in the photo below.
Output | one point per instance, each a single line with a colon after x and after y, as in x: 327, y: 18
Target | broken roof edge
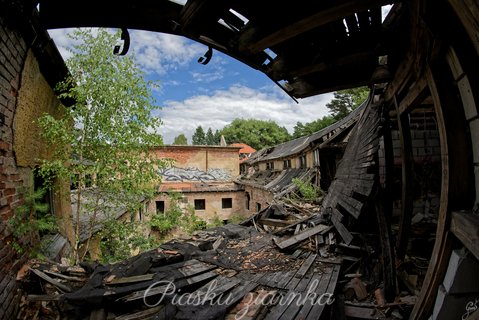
x: 298, y: 145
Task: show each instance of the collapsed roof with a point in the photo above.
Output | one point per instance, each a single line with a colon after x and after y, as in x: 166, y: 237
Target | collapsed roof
x: 310, y: 47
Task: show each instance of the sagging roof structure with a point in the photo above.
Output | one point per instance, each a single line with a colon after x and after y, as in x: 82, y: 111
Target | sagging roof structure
x: 322, y: 138
x: 430, y: 49
x: 308, y: 48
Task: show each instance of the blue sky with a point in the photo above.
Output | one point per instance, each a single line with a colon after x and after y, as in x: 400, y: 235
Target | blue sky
x: 212, y: 95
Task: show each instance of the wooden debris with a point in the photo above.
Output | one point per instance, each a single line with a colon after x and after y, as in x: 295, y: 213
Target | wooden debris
x: 359, y: 289
x: 53, y: 282
x: 380, y: 300
x: 133, y: 279
x: 44, y: 297
x: 362, y: 313
x: 302, y: 236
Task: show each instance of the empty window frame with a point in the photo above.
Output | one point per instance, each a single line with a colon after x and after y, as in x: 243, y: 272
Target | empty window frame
x: 287, y: 164
x: 160, y: 206
x: 302, y: 162
x: 226, y: 203
x: 200, y: 204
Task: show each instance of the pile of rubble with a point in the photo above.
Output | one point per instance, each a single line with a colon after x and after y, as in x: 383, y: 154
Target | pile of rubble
x: 234, y: 271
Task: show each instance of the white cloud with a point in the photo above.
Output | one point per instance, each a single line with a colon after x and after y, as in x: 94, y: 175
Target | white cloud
x: 160, y: 52
x: 154, y: 52
x: 62, y: 41
x: 221, y: 107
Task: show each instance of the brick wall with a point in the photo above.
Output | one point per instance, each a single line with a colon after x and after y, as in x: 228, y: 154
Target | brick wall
x: 30, y: 66
x: 258, y: 196
x: 13, y: 50
x: 202, y: 157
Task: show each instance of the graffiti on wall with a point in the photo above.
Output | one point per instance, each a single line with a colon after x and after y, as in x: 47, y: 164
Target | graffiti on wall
x: 194, y: 174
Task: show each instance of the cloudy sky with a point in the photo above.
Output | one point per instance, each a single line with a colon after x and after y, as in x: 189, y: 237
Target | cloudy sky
x: 211, y: 95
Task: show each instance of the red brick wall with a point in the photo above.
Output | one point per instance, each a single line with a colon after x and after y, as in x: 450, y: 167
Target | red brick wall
x: 12, y: 56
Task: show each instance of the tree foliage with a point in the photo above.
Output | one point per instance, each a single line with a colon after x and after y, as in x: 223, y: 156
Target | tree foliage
x: 108, y: 131
x: 301, y: 130
x: 199, y: 137
x: 206, y: 139
x: 210, y: 138
x: 180, y: 140
x: 256, y: 133
x: 31, y: 219
x: 345, y: 101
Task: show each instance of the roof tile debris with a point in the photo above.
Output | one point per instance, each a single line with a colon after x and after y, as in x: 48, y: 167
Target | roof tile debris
x: 245, y: 264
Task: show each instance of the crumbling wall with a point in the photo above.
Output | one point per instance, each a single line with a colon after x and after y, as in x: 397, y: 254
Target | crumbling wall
x: 258, y: 198
x: 24, y: 95
x: 35, y: 98
x: 13, y: 51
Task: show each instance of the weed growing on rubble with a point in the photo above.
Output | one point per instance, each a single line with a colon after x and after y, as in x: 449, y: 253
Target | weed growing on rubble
x: 307, y: 190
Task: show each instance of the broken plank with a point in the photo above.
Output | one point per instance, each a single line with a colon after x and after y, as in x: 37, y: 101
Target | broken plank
x: 215, y: 288
x: 133, y: 279
x: 325, y: 298
x: 465, y: 227
x: 305, y: 266
x: 163, y: 286
x: 302, y: 301
x: 52, y: 281
x: 275, y: 222
x: 291, y: 225
x: 296, y: 286
x: 62, y: 276
x: 359, y: 289
x: 286, y: 279
x: 145, y: 314
x: 342, y: 230
x: 302, y: 236
x: 196, y: 268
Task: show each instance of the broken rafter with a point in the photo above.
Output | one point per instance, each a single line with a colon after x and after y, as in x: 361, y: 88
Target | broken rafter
x: 302, y: 236
x: 249, y: 44
x: 50, y: 280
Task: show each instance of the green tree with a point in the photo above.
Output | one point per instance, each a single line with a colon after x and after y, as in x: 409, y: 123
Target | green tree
x: 301, y: 130
x: 106, y: 134
x: 217, y: 136
x: 210, y: 138
x: 180, y: 140
x: 256, y: 133
x: 199, y: 137
x: 345, y: 101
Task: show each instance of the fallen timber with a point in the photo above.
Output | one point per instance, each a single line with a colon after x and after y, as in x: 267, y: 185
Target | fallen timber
x: 244, y: 275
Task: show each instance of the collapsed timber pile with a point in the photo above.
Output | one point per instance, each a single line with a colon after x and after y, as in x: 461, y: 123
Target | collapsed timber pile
x: 230, y: 272
x: 348, y: 227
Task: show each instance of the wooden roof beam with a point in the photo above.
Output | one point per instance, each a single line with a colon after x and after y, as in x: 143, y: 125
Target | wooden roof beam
x: 250, y: 42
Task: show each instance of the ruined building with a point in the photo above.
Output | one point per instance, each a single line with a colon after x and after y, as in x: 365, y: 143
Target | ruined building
x: 204, y: 175
x: 408, y: 180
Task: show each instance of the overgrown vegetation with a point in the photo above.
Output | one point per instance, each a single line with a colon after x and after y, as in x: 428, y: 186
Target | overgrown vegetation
x: 103, y: 140
x: 32, y: 219
x: 120, y: 238
x: 307, y: 190
x: 177, y: 217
